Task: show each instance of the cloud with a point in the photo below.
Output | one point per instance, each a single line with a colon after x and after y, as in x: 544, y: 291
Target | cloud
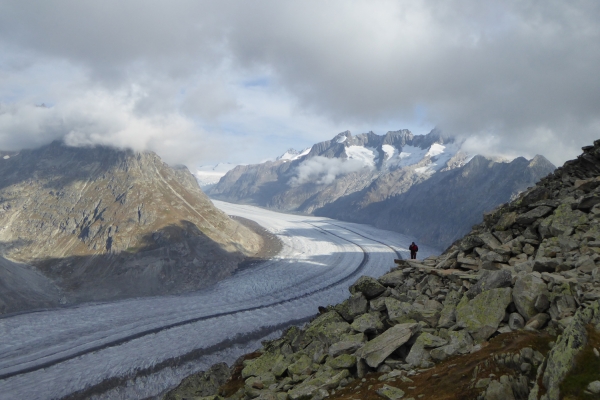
x: 514, y: 77
x: 323, y: 170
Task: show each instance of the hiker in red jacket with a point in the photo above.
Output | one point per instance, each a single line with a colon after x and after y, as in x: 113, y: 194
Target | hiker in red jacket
x: 413, y: 251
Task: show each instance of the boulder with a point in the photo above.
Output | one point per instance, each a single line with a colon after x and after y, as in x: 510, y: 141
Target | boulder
x: 561, y: 358
x: 368, y: 323
x: 357, y: 305
x: 429, y: 312
x: 533, y: 215
x: 482, y: 315
x: 562, y: 222
x: 390, y: 392
x: 545, y: 264
x: 345, y: 347
x: 537, y: 322
x: 525, y: 293
x: 448, y: 313
x: 327, y: 327
x: 470, y: 242
x: 201, y: 384
x: 498, y: 391
x: 393, y: 279
x: 377, y: 350
x: 398, y: 311
x: 489, y: 240
x: 460, y: 343
x: 368, y: 286
x: 490, y: 280
x: 419, y: 351
x: 506, y: 221
x: 516, y: 321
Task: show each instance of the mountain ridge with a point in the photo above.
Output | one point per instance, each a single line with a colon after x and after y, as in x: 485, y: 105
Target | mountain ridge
x: 103, y: 223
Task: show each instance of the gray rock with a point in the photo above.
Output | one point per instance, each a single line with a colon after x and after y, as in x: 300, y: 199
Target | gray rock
x: 498, y: 391
x: 516, y: 321
x: 398, y: 311
x: 490, y: 280
x: 368, y: 323
x: 201, y: 384
x: 357, y: 305
x: 545, y: 264
x: 490, y: 240
x: 377, y: 350
x: 345, y: 347
x: 561, y: 358
x: 594, y: 387
x: 542, y: 303
x: 533, y: 215
x: 393, y: 279
x: 428, y: 312
x: 460, y: 343
x: 368, y: 286
x: 537, y: 322
x: 482, y: 315
x: 419, y: 353
x: 525, y: 293
x: 302, y: 392
x: 390, y: 392
x: 448, y: 313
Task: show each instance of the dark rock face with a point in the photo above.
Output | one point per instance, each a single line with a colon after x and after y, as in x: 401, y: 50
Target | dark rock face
x: 435, y: 208
x: 102, y: 223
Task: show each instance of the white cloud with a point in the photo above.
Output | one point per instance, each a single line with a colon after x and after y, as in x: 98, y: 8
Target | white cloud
x: 266, y: 75
x: 323, y: 170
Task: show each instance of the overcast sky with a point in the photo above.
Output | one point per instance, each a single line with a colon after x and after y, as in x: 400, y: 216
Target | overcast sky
x: 241, y: 81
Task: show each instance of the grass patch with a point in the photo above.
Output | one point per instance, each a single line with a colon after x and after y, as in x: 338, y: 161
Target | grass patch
x: 586, y: 370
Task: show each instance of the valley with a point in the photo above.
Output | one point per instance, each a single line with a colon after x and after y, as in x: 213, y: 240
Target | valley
x: 137, y: 348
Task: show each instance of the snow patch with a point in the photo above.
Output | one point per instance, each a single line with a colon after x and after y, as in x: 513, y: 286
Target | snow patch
x: 341, y: 139
x: 293, y: 154
x: 389, y: 151
x: 6, y: 157
x: 365, y: 155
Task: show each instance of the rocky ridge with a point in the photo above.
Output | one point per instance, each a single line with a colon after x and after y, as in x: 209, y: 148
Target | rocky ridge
x: 419, y: 185
x: 97, y: 223
x: 510, y: 311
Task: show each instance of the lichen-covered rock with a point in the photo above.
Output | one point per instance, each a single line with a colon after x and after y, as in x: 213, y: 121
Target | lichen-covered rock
x: 368, y: 286
x: 490, y: 280
x: 562, y: 222
x: 498, y: 391
x: 327, y: 327
x: 460, y: 343
x: 368, y: 323
x: 342, y: 361
x: 448, y: 313
x: 428, y: 312
x: 419, y: 351
x: 561, y: 358
x: 482, y: 315
x: 390, y: 392
x: 201, y: 384
x: 527, y: 289
x: 392, y: 279
x: 377, y: 350
x: 398, y: 311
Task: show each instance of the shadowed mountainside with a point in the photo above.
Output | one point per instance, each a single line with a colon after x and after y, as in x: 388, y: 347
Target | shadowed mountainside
x: 102, y: 223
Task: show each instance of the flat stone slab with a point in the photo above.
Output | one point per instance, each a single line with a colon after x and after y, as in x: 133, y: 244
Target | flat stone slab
x: 378, y: 349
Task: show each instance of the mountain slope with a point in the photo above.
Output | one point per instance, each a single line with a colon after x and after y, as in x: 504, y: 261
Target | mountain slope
x: 441, y: 209
x: 420, y: 185
x: 103, y: 223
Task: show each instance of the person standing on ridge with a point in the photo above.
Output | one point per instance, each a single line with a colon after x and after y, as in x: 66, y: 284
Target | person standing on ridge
x: 413, y: 251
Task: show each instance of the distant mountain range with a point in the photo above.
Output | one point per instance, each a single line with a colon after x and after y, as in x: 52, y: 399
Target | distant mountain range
x: 421, y: 185
x: 97, y: 223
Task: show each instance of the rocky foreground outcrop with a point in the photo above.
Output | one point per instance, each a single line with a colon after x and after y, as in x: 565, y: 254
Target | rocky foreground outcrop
x: 510, y: 311
x: 98, y: 223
